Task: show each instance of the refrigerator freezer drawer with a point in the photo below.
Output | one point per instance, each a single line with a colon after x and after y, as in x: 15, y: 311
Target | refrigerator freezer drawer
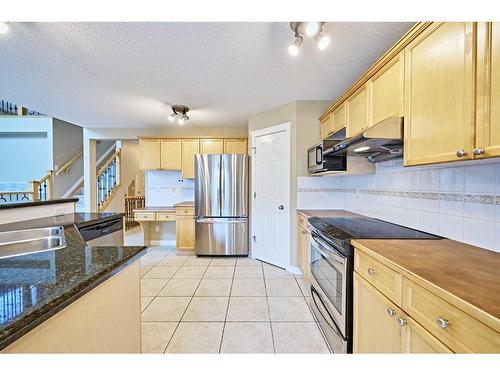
x: 219, y: 236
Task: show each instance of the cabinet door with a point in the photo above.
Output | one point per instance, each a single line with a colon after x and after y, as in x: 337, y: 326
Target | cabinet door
x: 376, y: 329
x: 326, y: 127
x: 357, y: 112
x: 211, y: 146
x: 190, y: 147
x: 488, y: 91
x: 339, y: 118
x: 387, y: 91
x: 171, y: 159
x: 149, y: 153
x: 439, y: 94
x: 417, y: 340
x: 235, y: 146
x: 185, y: 235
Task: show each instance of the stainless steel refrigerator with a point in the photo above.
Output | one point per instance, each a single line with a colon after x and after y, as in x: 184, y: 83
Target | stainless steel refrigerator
x: 221, y: 204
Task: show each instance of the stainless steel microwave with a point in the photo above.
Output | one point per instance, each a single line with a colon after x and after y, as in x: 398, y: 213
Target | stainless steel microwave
x: 318, y: 161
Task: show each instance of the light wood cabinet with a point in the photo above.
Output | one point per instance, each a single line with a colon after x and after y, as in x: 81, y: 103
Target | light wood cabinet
x: 416, y: 340
x: 211, y: 146
x: 339, y: 118
x: 326, y: 127
x: 185, y: 228
x: 149, y: 154
x: 171, y: 154
x: 357, y: 112
x: 439, y: 94
x: 303, y: 246
x: 386, y: 91
x: 235, y: 146
x: 190, y: 147
x: 488, y: 91
x: 376, y: 328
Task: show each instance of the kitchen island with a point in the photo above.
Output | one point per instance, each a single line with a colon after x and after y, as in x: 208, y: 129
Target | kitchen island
x: 78, y: 299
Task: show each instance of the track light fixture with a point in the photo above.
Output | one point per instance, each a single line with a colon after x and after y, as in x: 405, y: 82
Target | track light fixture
x: 310, y: 29
x: 4, y: 27
x: 179, y: 112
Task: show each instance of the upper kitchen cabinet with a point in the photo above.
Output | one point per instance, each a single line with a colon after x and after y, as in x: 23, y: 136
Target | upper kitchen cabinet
x: 171, y: 154
x: 386, y: 91
x: 190, y: 147
x: 149, y: 153
x: 439, y: 94
x: 235, y: 146
x: 488, y: 91
x: 339, y: 118
x: 211, y: 146
x: 326, y: 126
x: 357, y: 112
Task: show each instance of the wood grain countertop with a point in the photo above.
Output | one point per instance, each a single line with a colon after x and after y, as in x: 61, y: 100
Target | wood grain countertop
x: 468, y: 272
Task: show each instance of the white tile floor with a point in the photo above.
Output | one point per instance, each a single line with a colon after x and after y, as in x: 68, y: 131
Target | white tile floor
x: 223, y: 305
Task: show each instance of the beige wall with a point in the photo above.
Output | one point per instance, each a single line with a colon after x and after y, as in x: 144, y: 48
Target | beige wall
x: 303, y: 116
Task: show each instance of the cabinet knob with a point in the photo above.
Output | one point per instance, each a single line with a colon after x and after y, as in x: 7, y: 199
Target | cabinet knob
x: 402, y: 322
x: 390, y: 312
x: 478, y: 151
x: 303, y: 231
x: 443, y: 323
x: 461, y: 153
x: 371, y: 271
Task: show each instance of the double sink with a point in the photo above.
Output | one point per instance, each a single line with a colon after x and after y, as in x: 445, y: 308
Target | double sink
x: 30, y: 241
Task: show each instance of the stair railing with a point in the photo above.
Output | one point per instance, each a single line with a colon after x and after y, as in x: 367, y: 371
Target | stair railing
x: 43, y: 189
x: 108, y: 180
x: 67, y: 166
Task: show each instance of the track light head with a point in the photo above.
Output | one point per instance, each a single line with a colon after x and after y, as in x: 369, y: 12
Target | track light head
x: 293, y: 49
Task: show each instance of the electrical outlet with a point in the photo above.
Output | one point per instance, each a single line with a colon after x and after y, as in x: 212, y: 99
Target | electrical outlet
x: 157, y: 228
x: 59, y: 211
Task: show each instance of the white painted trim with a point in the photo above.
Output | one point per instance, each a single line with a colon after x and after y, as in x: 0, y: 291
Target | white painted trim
x: 294, y: 269
x: 284, y: 127
x: 73, y: 187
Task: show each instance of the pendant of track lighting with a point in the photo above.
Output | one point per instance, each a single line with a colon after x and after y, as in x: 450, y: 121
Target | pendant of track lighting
x: 179, y: 112
x: 312, y: 30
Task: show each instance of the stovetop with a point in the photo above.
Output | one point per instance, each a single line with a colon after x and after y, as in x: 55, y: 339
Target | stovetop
x: 343, y: 229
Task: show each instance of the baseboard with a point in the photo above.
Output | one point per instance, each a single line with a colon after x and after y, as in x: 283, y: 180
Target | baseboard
x: 294, y: 269
x: 162, y: 242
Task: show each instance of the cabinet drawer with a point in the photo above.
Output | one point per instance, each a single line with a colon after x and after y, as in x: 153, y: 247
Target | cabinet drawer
x: 144, y: 216
x: 165, y: 216
x: 379, y: 275
x: 463, y: 333
x: 185, y: 211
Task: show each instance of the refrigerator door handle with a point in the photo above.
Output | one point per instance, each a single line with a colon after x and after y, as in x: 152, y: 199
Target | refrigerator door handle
x: 218, y: 220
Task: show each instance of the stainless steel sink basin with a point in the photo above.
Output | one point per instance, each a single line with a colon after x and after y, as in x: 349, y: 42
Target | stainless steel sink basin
x: 23, y: 242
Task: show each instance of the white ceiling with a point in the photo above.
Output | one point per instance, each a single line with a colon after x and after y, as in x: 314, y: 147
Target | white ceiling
x: 126, y: 74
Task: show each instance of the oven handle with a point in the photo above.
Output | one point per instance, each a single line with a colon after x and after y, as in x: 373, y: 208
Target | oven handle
x: 334, y: 327
x: 329, y: 253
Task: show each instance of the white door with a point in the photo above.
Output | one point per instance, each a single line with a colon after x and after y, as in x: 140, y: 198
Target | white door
x: 271, y: 195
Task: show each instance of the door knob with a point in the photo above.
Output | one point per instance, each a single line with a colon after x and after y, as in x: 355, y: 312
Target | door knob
x: 280, y: 207
x: 478, y: 151
x: 461, y: 153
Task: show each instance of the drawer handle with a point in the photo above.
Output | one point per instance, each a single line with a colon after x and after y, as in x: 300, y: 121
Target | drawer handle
x: 371, y: 271
x: 402, y: 322
x: 461, y: 153
x: 443, y: 323
x: 390, y: 312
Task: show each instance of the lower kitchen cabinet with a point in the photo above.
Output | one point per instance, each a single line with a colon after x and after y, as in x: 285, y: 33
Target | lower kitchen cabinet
x: 417, y: 340
x: 303, y: 245
x: 185, y: 228
x: 376, y: 328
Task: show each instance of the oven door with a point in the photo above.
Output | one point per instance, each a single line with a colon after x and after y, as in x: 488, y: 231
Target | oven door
x: 315, y: 159
x: 329, y: 273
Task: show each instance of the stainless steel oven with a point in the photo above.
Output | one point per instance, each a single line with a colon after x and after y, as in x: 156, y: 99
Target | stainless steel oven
x: 331, y: 274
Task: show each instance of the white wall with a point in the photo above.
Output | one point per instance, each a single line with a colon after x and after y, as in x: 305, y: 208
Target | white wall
x: 460, y: 201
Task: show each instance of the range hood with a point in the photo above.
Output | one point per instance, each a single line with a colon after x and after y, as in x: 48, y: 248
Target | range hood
x: 383, y: 141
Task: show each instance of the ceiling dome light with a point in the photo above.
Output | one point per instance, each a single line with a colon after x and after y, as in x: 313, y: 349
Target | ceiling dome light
x: 312, y: 29
x: 4, y: 27
x: 293, y: 49
x: 323, y: 42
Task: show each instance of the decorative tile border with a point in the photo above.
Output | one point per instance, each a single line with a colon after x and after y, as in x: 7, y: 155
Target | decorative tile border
x: 429, y: 195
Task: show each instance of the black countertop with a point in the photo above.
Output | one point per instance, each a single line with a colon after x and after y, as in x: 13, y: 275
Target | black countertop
x: 36, y: 203
x: 35, y: 287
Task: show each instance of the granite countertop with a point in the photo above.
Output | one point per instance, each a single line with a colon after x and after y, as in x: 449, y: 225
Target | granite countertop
x: 37, y: 203
x: 35, y: 287
x: 327, y: 213
x: 468, y: 272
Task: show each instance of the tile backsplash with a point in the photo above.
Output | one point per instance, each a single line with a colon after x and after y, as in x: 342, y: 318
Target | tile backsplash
x: 166, y: 188
x: 459, y: 201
